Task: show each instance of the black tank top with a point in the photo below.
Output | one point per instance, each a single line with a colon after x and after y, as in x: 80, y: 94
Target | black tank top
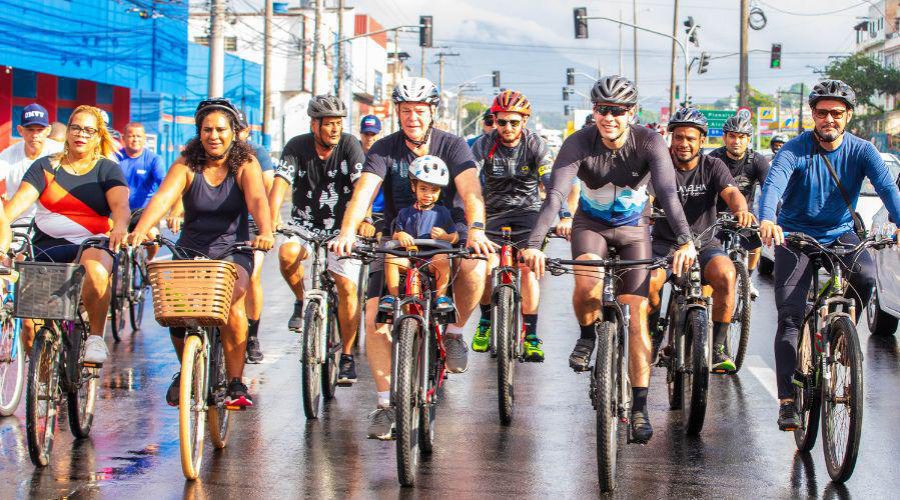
x: 215, y: 217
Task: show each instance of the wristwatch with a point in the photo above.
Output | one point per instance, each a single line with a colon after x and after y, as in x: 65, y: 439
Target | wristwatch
x: 477, y: 225
x: 565, y: 214
x: 369, y: 221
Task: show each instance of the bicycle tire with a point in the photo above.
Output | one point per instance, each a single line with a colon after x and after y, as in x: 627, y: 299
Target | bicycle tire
x: 428, y: 412
x: 503, y: 327
x: 406, y: 401
x: 81, y: 395
x: 218, y: 417
x: 191, y: 407
x: 332, y: 357
x: 739, y: 330
x: 12, y: 365
x: 844, y: 351
x: 311, y: 369
x: 605, y: 386
x: 118, y: 301
x: 42, y: 397
x: 139, y: 288
x: 674, y: 376
x: 807, y: 398
x: 696, y: 380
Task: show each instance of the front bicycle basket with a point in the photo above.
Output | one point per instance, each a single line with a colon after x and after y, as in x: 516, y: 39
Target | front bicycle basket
x: 48, y: 290
x: 190, y: 293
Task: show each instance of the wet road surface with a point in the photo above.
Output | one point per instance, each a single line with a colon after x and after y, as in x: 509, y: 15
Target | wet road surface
x: 549, y: 450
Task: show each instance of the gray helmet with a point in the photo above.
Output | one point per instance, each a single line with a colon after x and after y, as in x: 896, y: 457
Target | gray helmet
x: 325, y: 106
x: 416, y: 89
x: 833, y: 89
x: 738, y: 125
x: 614, y: 90
x: 688, y: 117
x: 779, y: 138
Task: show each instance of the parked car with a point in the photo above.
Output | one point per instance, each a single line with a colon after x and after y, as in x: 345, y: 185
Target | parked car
x: 883, y: 310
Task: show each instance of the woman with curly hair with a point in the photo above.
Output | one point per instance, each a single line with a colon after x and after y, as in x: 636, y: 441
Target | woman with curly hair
x: 218, y: 181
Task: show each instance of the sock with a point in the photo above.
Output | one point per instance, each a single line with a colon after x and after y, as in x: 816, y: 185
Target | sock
x: 252, y: 327
x: 384, y: 399
x: 588, y: 332
x: 720, y: 332
x: 530, y: 321
x: 750, y: 272
x: 638, y: 399
x: 485, y: 313
x: 653, y: 323
x: 454, y: 331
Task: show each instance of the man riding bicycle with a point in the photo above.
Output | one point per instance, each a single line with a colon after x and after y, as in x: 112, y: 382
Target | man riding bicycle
x: 616, y: 163
x: 812, y: 176
x: 778, y: 140
x: 322, y: 167
x: 701, y: 181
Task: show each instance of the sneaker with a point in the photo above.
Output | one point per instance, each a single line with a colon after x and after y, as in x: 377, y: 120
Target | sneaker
x: 444, y: 305
x: 296, y: 321
x: 754, y: 293
x: 787, y: 417
x: 238, y: 395
x: 382, y: 424
x: 580, y: 359
x: 482, y: 339
x: 533, y: 351
x: 254, y: 353
x: 641, y: 430
x: 174, y: 392
x: 386, y: 304
x: 347, y: 373
x: 457, y: 353
x: 95, y: 351
x: 721, y: 362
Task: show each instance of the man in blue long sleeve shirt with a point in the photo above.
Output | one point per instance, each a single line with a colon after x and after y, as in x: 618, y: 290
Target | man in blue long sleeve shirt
x: 813, y: 204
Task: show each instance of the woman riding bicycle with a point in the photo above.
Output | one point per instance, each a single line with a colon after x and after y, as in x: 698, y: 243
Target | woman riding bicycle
x: 80, y: 193
x: 218, y: 180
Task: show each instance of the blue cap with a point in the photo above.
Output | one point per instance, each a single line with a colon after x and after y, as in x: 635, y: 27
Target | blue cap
x: 370, y: 124
x: 34, y: 114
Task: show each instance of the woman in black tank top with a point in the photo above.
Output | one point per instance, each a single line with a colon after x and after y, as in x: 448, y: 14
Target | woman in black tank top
x: 219, y: 182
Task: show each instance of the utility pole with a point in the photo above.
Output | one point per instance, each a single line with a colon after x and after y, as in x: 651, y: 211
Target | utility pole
x: 800, y: 118
x: 672, y: 79
x: 441, y: 56
x: 743, y: 87
x: 216, y: 48
x: 317, y: 42
x: 396, y: 78
x: 423, y: 63
x: 634, y: 16
x: 267, y: 73
x: 340, y: 50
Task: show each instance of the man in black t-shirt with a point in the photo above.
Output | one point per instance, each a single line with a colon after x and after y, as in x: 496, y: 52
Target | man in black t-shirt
x: 322, y: 167
x: 702, y: 181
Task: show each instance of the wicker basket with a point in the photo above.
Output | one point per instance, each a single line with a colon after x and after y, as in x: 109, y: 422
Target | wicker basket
x: 192, y: 292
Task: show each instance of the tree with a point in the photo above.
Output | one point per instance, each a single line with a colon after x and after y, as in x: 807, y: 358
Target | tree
x: 867, y: 77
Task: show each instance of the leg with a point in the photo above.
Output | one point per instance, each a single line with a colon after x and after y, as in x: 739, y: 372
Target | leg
x: 290, y: 259
x: 587, y: 299
x: 96, y: 289
x: 253, y: 303
x: 348, y: 310
x: 440, y: 267
x: 657, y: 281
x: 793, y: 275
x: 719, y: 273
x: 753, y: 258
x: 234, y: 333
x: 378, y: 353
x: 481, y: 341
x: 862, y: 275
x: 392, y: 267
x: 467, y: 291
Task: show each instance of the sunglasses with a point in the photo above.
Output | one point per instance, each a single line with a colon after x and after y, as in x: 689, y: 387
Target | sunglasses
x: 502, y: 123
x: 489, y: 121
x: 614, y: 110
x: 837, y: 114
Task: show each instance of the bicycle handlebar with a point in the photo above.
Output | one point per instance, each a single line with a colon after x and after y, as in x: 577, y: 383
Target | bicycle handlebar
x: 802, y: 241
x: 187, y: 253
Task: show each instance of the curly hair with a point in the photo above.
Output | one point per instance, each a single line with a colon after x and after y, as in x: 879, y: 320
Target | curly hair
x: 195, y: 155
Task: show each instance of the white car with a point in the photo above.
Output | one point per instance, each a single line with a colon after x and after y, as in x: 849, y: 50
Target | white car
x: 883, y: 309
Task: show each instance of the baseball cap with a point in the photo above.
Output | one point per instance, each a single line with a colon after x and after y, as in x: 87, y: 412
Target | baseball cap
x: 370, y: 124
x: 34, y: 114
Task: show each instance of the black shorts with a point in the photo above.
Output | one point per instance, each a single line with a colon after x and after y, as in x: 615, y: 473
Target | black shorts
x: 631, y: 242
x: 524, y: 221
x: 135, y: 218
x: 707, y: 253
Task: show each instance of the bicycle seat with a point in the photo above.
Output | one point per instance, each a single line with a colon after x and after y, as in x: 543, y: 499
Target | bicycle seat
x: 422, y: 244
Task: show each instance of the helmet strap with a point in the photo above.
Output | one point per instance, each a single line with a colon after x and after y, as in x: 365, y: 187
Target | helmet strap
x: 424, y: 140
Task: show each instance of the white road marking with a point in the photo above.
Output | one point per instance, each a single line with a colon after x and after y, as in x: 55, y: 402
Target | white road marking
x: 763, y: 373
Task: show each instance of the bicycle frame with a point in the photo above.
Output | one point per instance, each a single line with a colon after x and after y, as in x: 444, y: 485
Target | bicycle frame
x: 322, y: 294
x: 507, y: 274
x: 687, y: 298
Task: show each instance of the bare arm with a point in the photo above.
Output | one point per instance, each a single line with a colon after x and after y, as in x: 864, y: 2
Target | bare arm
x: 117, y: 199
x: 5, y: 232
x: 254, y: 189
x: 469, y: 188
x: 276, y: 196
x: 364, y: 191
x: 734, y: 199
x: 166, y: 196
x: 26, y: 196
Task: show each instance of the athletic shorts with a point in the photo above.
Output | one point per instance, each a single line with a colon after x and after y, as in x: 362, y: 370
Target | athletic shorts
x: 524, y: 221
x: 707, y: 253
x: 348, y: 268
x: 631, y: 242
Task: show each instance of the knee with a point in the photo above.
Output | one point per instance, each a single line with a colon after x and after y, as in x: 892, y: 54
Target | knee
x: 290, y: 254
x: 96, y: 272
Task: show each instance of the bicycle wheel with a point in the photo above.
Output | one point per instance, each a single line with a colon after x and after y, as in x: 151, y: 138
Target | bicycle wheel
x: 429, y: 411
x: 42, y: 397
x: 407, y: 401
x: 118, y: 302
x: 605, y: 380
x: 739, y: 330
x: 842, y: 411
x: 81, y: 394
x: 12, y: 364
x: 696, y: 372
x: 192, y: 406
x: 807, y: 389
x: 332, y: 357
x: 139, y: 288
x: 311, y: 376
x: 504, y: 328
x: 218, y: 417
x: 674, y: 375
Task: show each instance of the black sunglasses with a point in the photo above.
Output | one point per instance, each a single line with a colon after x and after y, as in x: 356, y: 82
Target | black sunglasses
x: 614, y: 110
x: 837, y: 114
x: 488, y: 121
x: 502, y: 123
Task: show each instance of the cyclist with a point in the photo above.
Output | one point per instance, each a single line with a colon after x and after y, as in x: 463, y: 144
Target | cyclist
x: 701, y: 181
x: 369, y: 132
x: 748, y: 168
x: 777, y: 142
x: 218, y: 180
x: 616, y: 162
x: 487, y: 126
x: 388, y: 163
x: 812, y: 203
x: 80, y: 193
x: 143, y: 170
x: 322, y: 167
x: 513, y: 161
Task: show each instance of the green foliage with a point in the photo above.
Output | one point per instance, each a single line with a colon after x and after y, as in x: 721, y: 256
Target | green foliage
x: 867, y: 77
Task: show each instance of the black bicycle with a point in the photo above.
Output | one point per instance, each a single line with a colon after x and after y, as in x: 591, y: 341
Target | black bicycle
x: 130, y: 287
x: 739, y: 330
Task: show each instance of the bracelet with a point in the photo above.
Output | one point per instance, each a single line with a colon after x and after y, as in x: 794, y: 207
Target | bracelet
x: 369, y: 221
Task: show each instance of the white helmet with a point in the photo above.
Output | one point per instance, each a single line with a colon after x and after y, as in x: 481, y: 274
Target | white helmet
x: 416, y: 89
x: 430, y: 169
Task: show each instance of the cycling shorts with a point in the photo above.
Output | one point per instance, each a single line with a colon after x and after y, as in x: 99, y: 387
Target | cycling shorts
x: 707, y: 253
x: 523, y: 221
x: 631, y: 242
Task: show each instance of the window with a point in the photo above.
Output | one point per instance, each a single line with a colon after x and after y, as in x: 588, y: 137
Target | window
x: 24, y: 83
x: 16, y: 120
x: 104, y: 93
x: 63, y: 114
x: 67, y: 89
x: 230, y: 42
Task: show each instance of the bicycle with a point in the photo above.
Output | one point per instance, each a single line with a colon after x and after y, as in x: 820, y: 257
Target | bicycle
x: 610, y: 389
x: 12, y: 346
x: 829, y: 373
x: 418, y: 353
x: 739, y: 330
x: 195, y: 293
x: 130, y: 287
x: 52, y: 292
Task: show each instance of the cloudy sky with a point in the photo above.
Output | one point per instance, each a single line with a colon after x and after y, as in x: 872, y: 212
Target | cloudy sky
x: 531, y: 42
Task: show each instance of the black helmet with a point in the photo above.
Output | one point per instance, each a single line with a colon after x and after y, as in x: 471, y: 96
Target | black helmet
x: 779, y: 138
x: 218, y: 104
x: 688, y: 117
x: 614, y: 90
x: 833, y: 89
x: 325, y: 106
x: 738, y: 125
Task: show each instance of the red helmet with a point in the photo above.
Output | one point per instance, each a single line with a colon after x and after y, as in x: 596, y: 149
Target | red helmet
x: 510, y: 101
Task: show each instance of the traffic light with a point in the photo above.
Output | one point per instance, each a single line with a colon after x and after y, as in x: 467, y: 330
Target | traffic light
x: 581, y: 30
x: 776, y: 56
x: 570, y: 76
x: 704, y: 62
x: 677, y: 91
x: 567, y: 110
x: 689, y: 25
x: 425, y: 31
x: 496, y: 77
x: 565, y: 93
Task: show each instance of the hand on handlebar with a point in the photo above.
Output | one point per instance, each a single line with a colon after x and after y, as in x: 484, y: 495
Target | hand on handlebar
x: 117, y: 238
x: 366, y: 230
x: 684, y: 258
x: 343, y: 244
x: 264, y: 242
x: 564, y: 228
x: 536, y: 260
x: 771, y: 233
x: 479, y: 243
x: 745, y: 218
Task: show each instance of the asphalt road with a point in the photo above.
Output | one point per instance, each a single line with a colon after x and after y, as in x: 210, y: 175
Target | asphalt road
x: 549, y: 450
